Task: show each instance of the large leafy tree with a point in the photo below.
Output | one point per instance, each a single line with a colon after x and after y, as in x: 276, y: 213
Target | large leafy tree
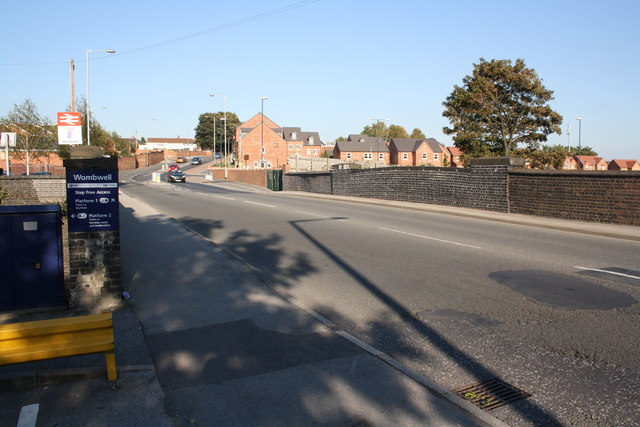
x: 378, y: 128
x: 397, y: 131
x: 417, y: 134
x: 35, y: 134
x: 499, y: 107
x: 210, y: 123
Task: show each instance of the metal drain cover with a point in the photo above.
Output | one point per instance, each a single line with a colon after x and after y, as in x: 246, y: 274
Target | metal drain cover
x: 490, y: 394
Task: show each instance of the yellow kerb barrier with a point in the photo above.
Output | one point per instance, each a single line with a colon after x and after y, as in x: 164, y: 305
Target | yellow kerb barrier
x: 49, y: 339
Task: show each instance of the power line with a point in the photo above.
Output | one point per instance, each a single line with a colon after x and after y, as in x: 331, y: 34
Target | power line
x: 193, y: 35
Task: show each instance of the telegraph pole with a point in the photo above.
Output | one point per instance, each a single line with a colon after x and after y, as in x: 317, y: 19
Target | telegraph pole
x: 72, y: 68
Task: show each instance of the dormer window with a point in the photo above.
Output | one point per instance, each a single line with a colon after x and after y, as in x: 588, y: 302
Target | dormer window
x: 294, y: 135
x: 311, y: 140
x: 361, y: 140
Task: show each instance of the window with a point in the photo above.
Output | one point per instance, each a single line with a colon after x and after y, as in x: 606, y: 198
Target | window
x: 405, y: 156
x: 424, y: 156
x: 311, y: 140
x: 294, y: 135
x: 348, y: 155
x: 308, y: 151
x: 368, y: 156
x: 255, y: 164
x: 435, y: 156
x: 290, y: 146
x: 298, y: 147
x: 315, y: 152
x: 380, y: 156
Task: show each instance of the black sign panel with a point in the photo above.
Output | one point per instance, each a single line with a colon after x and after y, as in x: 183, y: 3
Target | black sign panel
x: 92, y: 200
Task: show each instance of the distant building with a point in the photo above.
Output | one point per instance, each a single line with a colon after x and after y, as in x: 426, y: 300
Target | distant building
x: 168, y: 144
x: 624, y: 165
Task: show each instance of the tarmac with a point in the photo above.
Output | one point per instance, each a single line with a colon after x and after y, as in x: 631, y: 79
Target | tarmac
x: 203, y: 341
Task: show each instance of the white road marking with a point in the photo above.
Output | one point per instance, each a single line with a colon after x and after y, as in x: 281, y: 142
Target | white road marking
x: 430, y: 238
x: 28, y: 415
x: 259, y: 204
x: 223, y: 197
x: 608, y: 272
x: 321, y: 216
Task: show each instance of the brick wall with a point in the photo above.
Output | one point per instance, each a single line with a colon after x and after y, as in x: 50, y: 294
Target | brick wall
x: 480, y: 187
x: 29, y: 190
x: 312, y: 182
x: 248, y: 176
x: 601, y: 196
x: 95, y: 275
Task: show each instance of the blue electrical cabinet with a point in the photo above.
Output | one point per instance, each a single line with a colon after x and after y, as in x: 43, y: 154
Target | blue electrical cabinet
x: 31, y: 271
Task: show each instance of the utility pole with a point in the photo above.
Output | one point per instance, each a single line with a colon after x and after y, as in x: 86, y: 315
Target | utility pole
x: 72, y: 69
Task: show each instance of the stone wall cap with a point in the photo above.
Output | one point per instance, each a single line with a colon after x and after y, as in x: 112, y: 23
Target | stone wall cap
x: 497, y: 161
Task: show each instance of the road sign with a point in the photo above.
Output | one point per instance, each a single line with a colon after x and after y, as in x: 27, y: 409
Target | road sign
x: 8, y: 139
x: 69, y: 128
x: 92, y: 200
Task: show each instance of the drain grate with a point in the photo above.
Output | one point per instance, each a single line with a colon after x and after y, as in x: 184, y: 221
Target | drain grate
x: 491, y: 394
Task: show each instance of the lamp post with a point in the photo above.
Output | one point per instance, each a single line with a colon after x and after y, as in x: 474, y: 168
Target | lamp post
x: 146, y: 135
x: 224, y: 98
x: 87, y: 111
x: 579, y: 119
x: 262, y: 99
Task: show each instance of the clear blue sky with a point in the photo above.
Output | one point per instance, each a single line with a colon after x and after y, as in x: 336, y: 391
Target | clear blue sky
x: 325, y: 65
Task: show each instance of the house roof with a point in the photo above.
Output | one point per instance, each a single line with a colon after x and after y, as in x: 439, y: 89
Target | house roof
x: 406, y: 144
x: 624, y: 163
x: 355, y: 137
x: 356, y: 146
x: 590, y: 160
x: 434, y: 145
x: 455, y: 151
x: 288, y: 135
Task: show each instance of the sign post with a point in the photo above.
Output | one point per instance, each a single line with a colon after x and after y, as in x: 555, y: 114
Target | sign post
x: 8, y: 139
x: 69, y: 128
x: 92, y: 200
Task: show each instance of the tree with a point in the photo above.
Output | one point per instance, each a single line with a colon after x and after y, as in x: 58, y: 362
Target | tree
x: 546, y: 157
x: 99, y: 136
x: 378, y: 128
x: 417, y: 134
x: 396, y: 131
x: 500, y: 106
x: 208, y: 123
x: 35, y: 135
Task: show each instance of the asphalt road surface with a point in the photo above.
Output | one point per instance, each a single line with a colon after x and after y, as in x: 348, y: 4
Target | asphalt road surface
x: 459, y: 300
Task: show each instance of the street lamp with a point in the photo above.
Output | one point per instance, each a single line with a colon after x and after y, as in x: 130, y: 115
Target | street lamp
x: 224, y: 98
x: 262, y: 99
x: 579, y: 119
x: 146, y: 143
x: 87, y: 111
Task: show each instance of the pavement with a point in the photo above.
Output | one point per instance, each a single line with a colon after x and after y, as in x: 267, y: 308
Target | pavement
x: 204, y: 341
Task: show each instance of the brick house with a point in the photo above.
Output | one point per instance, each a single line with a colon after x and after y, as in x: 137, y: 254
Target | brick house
x: 591, y: 163
x: 623, y: 165
x: 412, y: 152
x: 306, y: 144
x: 362, y: 148
x: 252, y: 139
x: 454, y: 157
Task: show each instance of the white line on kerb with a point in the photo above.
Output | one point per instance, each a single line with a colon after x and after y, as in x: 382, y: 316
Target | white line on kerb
x: 608, y: 272
x: 259, y: 204
x: 28, y: 415
x: 430, y: 238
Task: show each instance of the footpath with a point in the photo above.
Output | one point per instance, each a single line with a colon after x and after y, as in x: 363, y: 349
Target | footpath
x: 202, y: 341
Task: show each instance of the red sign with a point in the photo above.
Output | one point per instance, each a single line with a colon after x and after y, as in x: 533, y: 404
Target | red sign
x: 69, y: 119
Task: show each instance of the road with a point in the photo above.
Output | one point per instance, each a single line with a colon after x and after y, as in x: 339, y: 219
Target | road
x: 458, y: 300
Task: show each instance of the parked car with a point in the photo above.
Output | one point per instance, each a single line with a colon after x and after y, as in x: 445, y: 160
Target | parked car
x: 173, y: 166
x: 181, y: 160
x: 217, y: 155
x: 196, y: 161
x: 176, y: 175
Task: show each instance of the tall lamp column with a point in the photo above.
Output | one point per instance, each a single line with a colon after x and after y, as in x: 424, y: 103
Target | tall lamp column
x: 87, y: 112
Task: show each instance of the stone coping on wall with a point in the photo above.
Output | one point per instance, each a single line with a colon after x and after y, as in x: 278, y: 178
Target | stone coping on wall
x: 574, y: 172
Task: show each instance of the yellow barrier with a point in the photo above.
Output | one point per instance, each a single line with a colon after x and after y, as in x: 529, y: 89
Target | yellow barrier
x: 49, y: 339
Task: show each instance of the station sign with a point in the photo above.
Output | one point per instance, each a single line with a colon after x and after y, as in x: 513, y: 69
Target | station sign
x: 92, y: 200
x: 69, y: 128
